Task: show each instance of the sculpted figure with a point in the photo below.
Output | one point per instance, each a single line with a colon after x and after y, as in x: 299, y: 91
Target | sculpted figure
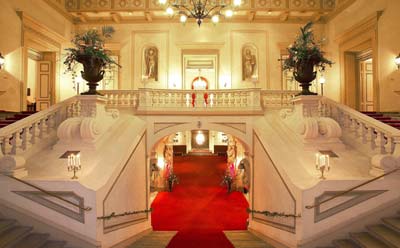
x: 248, y: 64
x: 151, y: 59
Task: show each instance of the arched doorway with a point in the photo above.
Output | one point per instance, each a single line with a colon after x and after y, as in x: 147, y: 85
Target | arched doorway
x: 200, y: 204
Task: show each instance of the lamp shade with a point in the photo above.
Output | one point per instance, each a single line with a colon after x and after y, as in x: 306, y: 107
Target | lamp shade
x: 397, y: 61
x: 2, y: 60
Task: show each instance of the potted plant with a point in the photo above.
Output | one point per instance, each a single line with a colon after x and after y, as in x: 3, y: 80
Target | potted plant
x: 305, y: 55
x: 89, y: 51
x: 171, y: 179
x: 228, y: 180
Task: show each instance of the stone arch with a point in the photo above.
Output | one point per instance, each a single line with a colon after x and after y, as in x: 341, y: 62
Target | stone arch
x: 246, y: 140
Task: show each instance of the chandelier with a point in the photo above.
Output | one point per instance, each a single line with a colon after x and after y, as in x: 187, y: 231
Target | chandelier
x: 200, y: 9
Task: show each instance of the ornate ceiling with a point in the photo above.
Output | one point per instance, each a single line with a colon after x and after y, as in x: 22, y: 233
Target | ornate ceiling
x: 139, y: 11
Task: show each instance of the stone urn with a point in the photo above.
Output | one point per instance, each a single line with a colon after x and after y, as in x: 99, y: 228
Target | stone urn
x: 304, y: 74
x: 92, y: 72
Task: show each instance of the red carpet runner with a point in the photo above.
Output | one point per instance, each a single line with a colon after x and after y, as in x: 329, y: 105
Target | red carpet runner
x: 199, y: 207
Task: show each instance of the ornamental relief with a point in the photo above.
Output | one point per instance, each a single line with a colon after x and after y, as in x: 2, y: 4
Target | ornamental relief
x: 129, y: 4
x: 270, y: 4
x: 302, y: 4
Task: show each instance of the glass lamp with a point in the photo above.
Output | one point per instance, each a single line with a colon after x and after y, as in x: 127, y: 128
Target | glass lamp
x: 2, y: 61
x: 397, y: 61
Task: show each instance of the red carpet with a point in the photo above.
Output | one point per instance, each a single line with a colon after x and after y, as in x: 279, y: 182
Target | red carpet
x: 199, y: 207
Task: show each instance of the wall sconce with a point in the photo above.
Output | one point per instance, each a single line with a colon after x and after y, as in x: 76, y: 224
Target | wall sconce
x: 74, y: 163
x: 322, y: 163
x: 397, y: 61
x: 322, y: 81
x: 2, y: 61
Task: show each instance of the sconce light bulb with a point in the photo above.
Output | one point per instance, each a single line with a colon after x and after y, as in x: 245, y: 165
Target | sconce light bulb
x: 183, y: 18
x: 169, y: 11
x: 229, y: 13
x: 237, y: 2
x: 322, y: 80
x: 215, y: 19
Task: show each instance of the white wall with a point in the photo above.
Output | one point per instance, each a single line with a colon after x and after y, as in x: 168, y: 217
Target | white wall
x: 388, y: 48
x: 227, y: 38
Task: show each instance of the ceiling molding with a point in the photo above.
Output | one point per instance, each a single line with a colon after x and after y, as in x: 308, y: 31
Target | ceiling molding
x: 96, y: 12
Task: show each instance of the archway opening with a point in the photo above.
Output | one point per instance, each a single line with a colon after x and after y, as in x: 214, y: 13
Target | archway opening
x: 210, y: 184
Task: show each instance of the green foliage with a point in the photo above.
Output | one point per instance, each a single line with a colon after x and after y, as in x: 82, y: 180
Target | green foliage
x: 306, y: 50
x: 90, y: 43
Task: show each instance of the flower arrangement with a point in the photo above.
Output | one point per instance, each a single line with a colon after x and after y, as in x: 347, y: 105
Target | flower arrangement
x: 306, y: 50
x: 171, y: 179
x: 90, y: 43
x: 90, y: 52
x: 227, y: 180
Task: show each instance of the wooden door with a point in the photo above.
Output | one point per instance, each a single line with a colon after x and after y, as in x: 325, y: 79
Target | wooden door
x: 43, y: 85
x: 366, y: 85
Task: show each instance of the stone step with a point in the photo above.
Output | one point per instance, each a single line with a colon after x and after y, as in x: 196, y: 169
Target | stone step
x: 54, y: 244
x: 6, y: 224
x: 245, y: 239
x: 393, y: 223
x: 365, y: 240
x: 386, y: 235
x: 344, y: 243
x: 13, y: 235
x: 33, y: 240
x: 153, y: 240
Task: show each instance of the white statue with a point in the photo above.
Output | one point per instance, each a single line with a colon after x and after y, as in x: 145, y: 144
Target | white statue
x: 151, y: 60
x: 248, y: 64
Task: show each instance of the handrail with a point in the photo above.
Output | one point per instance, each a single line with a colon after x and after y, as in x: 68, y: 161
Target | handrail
x: 48, y: 193
x: 351, y: 189
x: 114, y: 215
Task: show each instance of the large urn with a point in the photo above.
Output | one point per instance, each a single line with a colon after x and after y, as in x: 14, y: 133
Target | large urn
x: 304, y: 74
x: 92, y: 72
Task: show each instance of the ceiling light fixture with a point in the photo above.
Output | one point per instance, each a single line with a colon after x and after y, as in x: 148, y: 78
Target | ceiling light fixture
x: 200, y: 9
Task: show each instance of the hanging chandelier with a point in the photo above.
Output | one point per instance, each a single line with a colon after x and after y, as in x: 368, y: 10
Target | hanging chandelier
x: 200, y: 9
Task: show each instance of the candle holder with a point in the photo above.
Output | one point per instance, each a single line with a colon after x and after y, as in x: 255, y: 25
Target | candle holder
x: 74, y: 163
x: 322, y: 164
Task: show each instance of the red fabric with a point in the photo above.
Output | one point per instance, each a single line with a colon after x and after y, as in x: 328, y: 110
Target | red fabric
x: 206, y: 98
x: 193, y: 99
x: 199, y: 207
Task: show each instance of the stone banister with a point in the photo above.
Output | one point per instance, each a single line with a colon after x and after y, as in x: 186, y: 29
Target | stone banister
x: 18, y: 137
x: 170, y: 101
x: 379, y: 138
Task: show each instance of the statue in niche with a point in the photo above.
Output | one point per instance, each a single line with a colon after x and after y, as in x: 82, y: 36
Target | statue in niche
x: 151, y: 63
x: 249, y: 63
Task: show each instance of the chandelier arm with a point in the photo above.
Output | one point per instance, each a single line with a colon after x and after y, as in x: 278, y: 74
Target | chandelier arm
x: 190, y: 12
x: 209, y: 11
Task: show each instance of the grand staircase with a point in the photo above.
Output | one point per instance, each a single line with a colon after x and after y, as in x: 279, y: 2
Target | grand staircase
x: 7, y: 118
x: 156, y: 239
x: 13, y: 235
x: 389, y: 118
x: 383, y: 235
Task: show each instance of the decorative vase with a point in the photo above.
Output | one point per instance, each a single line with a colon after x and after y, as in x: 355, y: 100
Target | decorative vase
x: 304, y: 74
x: 92, y: 72
x: 170, y: 186
x: 229, y: 186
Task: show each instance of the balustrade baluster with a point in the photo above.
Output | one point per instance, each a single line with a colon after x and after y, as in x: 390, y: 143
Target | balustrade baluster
x: 364, y: 131
x: 16, y: 143
x: 26, y: 138
x: 7, y: 145
x: 381, y: 141
x: 43, y: 128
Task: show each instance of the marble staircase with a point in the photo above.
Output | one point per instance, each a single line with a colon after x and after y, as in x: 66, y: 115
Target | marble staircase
x: 389, y: 118
x: 159, y: 239
x: 385, y: 234
x: 13, y: 235
x: 246, y: 239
